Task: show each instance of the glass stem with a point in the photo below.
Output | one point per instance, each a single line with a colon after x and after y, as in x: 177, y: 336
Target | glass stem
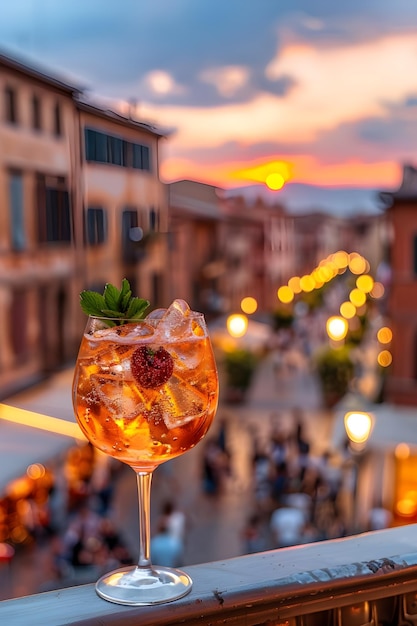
x: 144, y: 480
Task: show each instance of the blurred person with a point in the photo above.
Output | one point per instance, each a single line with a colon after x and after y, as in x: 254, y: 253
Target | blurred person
x: 254, y: 535
x: 287, y: 525
x: 166, y: 549
x: 379, y: 518
x: 174, y: 520
x: 262, y: 475
x: 216, y: 467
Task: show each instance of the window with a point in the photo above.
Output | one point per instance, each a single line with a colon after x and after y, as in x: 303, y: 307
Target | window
x: 95, y: 146
x: 18, y: 238
x: 103, y: 148
x: 10, y: 105
x: 115, y: 150
x: 129, y: 245
x: 140, y: 157
x: 57, y: 120
x: 96, y: 226
x: 36, y: 113
x: 54, y: 211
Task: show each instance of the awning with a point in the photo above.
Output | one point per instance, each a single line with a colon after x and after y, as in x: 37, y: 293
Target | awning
x: 21, y: 444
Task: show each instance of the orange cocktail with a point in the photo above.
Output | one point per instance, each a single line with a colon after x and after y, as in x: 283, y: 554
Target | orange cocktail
x: 146, y: 392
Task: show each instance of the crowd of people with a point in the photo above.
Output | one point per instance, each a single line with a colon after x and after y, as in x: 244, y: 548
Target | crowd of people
x: 294, y: 494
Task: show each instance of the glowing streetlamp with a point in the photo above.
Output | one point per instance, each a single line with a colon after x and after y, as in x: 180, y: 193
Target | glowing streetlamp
x: 358, y: 425
x: 336, y: 327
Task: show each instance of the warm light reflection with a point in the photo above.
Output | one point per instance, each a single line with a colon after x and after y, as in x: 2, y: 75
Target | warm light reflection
x: 384, y: 358
x: 384, y: 335
x: 249, y: 305
x: 42, y: 422
x: 336, y: 328
x: 237, y: 325
x: 285, y: 294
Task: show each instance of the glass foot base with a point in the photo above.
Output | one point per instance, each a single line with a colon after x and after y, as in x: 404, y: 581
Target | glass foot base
x: 138, y: 587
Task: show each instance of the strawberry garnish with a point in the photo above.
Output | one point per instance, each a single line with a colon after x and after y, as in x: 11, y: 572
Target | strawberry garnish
x: 151, y: 368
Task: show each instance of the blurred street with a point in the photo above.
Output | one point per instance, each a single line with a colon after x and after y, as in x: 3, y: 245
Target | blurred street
x: 214, y: 522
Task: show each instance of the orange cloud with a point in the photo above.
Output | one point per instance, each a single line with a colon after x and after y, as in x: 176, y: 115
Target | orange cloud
x: 306, y: 169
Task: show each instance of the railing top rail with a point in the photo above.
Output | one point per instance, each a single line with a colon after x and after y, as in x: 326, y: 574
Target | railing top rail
x: 277, y: 583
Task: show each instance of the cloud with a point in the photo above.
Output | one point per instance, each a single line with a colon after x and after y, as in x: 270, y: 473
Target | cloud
x: 314, y: 81
x: 227, y: 80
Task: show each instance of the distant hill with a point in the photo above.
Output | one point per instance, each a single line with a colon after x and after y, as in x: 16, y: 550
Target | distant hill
x: 300, y: 198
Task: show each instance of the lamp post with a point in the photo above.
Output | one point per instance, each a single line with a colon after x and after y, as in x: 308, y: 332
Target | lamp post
x: 358, y: 426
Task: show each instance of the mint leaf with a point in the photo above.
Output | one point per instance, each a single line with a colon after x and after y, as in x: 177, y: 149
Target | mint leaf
x: 136, y: 308
x: 125, y: 301
x: 114, y: 303
x: 111, y: 296
x: 92, y: 303
x: 125, y: 293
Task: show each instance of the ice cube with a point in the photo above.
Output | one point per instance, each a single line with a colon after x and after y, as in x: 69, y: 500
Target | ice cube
x: 118, y: 396
x: 181, y: 403
x: 176, y: 322
x: 156, y: 314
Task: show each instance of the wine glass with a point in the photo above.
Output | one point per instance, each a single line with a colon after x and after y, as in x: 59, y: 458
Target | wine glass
x: 145, y: 392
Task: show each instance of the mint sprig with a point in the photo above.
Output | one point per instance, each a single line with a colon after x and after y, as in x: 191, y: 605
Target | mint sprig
x: 114, y: 303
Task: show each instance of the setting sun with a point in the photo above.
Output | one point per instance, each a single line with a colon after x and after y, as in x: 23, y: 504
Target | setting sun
x: 275, y: 181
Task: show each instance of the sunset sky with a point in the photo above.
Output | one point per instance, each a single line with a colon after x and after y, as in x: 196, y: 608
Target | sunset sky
x: 310, y: 91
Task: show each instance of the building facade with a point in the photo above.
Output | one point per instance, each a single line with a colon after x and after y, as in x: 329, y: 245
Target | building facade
x: 81, y: 205
x: 124, y: 204
x: 402, y: 299
x: 39, y: 172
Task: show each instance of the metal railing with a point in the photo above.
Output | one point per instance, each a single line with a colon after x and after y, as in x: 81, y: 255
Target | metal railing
x: 364, y: 580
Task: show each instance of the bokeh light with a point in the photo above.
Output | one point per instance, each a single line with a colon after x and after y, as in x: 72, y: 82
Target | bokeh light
x: 384, y: 335
x: 407, y: 506
x: 357, y: 264
x: 294, y: 284
x: 237, y: 325
x: 347, y: 310
x: 384, y: 358
x: 35, y: 471
x: 357, y: 297
x: 341, y: 259
x: 307, y: 283
x: 285, y: 294
x: 402, y: 451
x: 336, y: 328
x: 378, y: 290
x: 358, y: 426
x: 365, y: 283
x: 249, y: 305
